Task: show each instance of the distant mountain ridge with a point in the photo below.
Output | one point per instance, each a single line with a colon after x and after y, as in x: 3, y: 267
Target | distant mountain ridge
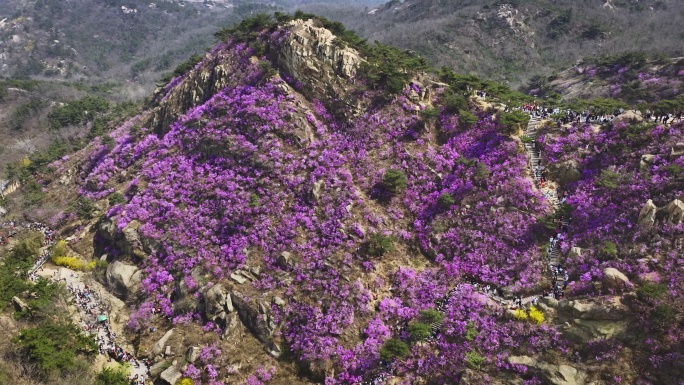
x: 516, y: 40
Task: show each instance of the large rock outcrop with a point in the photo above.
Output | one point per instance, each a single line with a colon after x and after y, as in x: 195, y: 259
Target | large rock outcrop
x: 123, y: 279
x: 218, y: 304
x: 315, y: 60
x: 257, y: 317
x: 127, y: 241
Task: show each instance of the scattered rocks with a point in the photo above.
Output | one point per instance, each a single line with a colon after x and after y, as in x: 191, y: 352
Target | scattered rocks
x: 19, y: 305
x: 124, y: 280
x: 647, y: 214
x: 316, y: 191
x: 158, y: 348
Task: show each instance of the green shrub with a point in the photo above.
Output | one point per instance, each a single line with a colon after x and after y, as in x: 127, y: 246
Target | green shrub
x: 419, y: 331
x: 608, y: 179
x: 254, y: 200
x: 429, y: 114
x: 513, y: 120
x: 53, y: 347
x: 13, y: 268
x: 109, y: 376
x: 609, y: 248
x: 454, y: 102
x: 393, y: 348
x: 475, y: 359
x: 84, y: 208
x: 379, y: 245
x: 116, y: 198
x: 446, y: 200
x: 471, y: 331
x: 430, y: 316
x: 651, y: 290
x: 663, y: 313
x: 466, y: 118
x: 394, y: 180
x: 77, y: 112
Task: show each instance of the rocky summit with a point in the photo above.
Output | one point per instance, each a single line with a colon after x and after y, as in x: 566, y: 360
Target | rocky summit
x: 304, y: 207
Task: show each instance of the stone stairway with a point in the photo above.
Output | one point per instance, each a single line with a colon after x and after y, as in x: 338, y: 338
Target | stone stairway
x: 551, y: 196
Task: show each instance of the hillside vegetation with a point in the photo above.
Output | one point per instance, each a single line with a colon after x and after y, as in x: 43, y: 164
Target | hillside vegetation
x: 302, y: 206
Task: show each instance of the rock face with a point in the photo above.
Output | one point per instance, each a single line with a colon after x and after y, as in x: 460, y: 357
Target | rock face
x: 565, y: 172
x: 124, y: 280
x: 218, y: 304
x: 554, y: 374
x: 647, y: 215
x: 311, y: 56
x: 127, y: 241
x: 612, y: 310
x: 257, y: 317
x: 675, y: 211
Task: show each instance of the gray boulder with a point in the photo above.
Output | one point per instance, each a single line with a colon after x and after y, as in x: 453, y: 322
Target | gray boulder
x: 159, y: 347
x: 647, y: 215
x: 19, y: 305
x: 285, y: 260
x: 192, y: 354
x: 123, y: 280
x: 677, y: 149
x: 171, y: 375
x: 158, y: 368
x: 565, y: 172
x: 615, y: 279
x: 646, y: 162
x: 612, y: 310
x: 675, y: 211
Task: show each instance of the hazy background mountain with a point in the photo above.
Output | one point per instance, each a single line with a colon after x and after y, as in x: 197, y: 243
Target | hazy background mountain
x: 515, y: 40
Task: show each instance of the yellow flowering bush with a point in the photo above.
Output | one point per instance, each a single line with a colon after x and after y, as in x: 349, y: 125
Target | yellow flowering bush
x: 520, y: 314
x: 536, y: 315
